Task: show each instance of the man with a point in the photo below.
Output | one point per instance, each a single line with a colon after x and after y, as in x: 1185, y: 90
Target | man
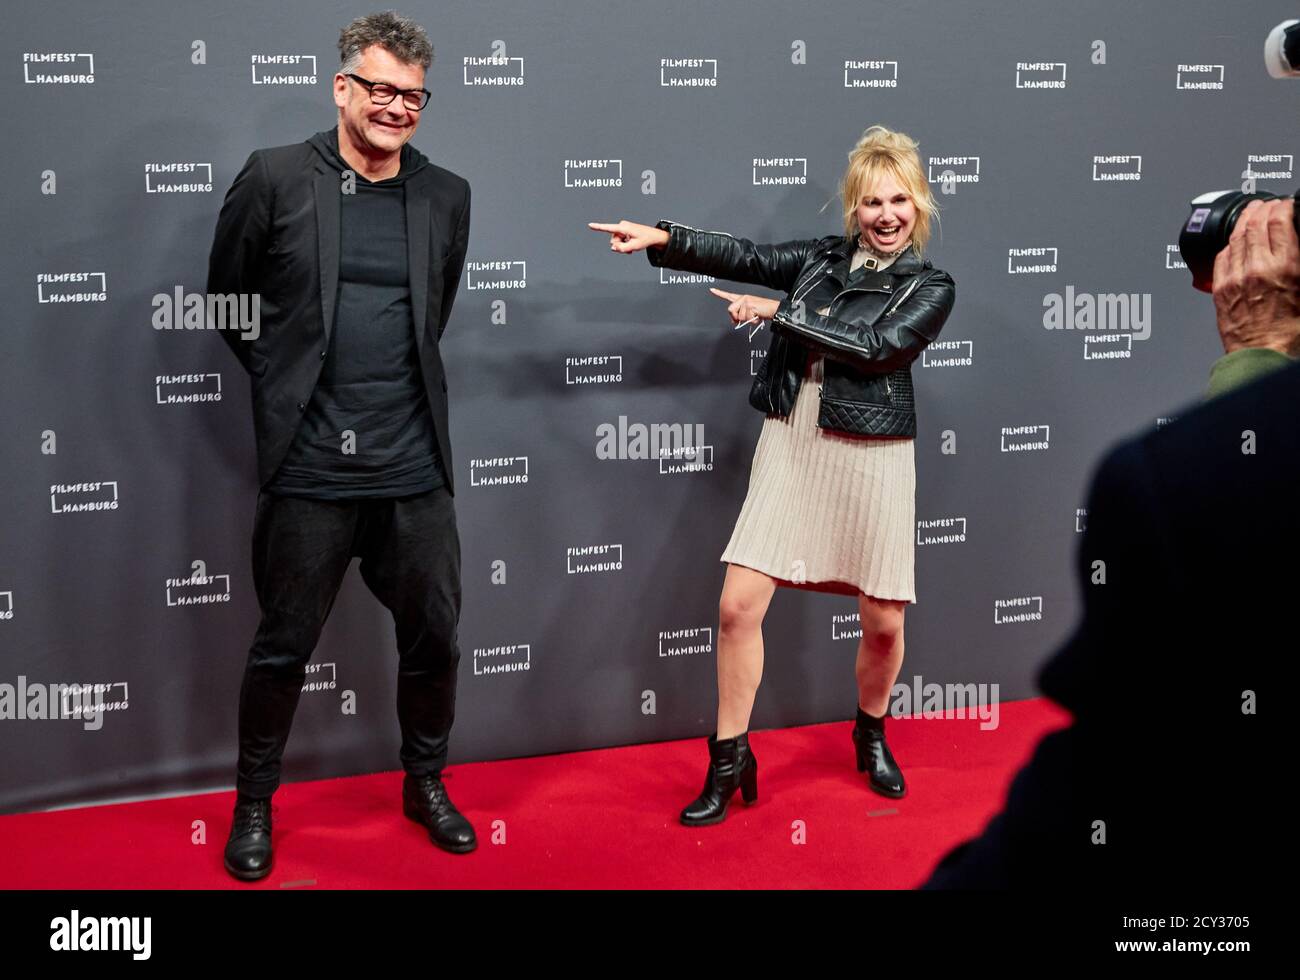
x: 1168, y: 775
x: 355, y: 243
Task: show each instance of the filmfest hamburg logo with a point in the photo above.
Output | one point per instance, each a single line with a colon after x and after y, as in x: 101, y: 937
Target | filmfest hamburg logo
x: 65, y: 287
x: 593, y: 369
x: 1199, y: 77
x: 1040, y: 74
x: 58, y: 68
x: 1022, y: 609
x: 72, y: 498
x: 156, y: 182
x: 6, y: 605
x: 498, y: 471
x: 846, y: 626
x: 688, y: 72
x: 323, y: 677
x: 283, y: 69
x: 1080, y: 520
x: 684, y: 642
x: 1272, y: 164
x: 1025, y: 438
x: 949, y: 353
x: 178, y: 389
x: 509, y: 659
x: 497, y: 70
x: 496, y: 274
x: 1116, y: 167
x: 941, y: 530
x: 953, y: 169
x: 1031, y: 261
x: 870, y: 74
x: 780, y: 171
x: 199, y: 589
x: 685, y: 459
x: 593, y: 173
x: 115, y: 696
x: 580, y: 560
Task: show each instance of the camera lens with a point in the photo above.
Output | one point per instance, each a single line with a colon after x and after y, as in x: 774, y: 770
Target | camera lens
x: 1206, y: 231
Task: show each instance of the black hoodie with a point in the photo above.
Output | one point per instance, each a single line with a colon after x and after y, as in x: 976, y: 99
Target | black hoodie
x: 367, y: 430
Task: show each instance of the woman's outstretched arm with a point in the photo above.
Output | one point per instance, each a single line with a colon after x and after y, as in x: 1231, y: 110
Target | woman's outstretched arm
x: 713, y: 253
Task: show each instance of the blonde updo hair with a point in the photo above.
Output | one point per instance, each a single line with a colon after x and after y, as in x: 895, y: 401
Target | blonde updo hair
x: 881, y: 151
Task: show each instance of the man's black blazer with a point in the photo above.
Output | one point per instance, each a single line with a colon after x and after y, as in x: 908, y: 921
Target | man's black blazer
x: 1167, y: 778
x: 278, y: 236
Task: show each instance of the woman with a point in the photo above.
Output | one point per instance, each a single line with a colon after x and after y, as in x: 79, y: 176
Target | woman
x: 832, y: 490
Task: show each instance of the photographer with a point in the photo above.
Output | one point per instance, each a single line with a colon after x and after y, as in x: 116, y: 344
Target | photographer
x: 1257, y: 295
x: 1166, y: 776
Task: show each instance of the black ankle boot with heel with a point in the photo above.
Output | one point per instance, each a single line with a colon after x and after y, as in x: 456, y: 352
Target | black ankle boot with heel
x: 732, y: 766
x: 875, y: 758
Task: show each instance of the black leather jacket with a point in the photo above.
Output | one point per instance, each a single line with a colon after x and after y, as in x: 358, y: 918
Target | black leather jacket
x: 870, y: 335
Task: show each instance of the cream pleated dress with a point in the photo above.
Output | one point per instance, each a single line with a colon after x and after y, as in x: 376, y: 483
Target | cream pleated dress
x: 828, y: 511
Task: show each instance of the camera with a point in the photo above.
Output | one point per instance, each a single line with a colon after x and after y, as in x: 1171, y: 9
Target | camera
x: 1207, y: 229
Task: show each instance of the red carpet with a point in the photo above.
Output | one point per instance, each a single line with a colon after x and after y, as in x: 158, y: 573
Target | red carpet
x: 600, y: 819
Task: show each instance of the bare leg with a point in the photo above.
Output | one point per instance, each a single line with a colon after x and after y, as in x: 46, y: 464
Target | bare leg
x: 745, y: 597
x: 880, y: 652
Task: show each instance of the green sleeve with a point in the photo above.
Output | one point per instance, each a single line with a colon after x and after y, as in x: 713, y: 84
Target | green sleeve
x: 1243, y: 366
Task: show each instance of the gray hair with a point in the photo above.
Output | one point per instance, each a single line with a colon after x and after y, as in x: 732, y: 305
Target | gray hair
x: 400, y: 36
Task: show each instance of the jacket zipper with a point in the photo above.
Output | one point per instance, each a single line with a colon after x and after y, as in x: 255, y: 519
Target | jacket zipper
x: 906, y: 292
x: 901, y: 298
x: 809, y: 282
x: 807, y: 287
x: 775, y: 389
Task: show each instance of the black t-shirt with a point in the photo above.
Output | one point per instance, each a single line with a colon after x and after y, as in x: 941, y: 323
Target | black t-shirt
x: 367, y: 430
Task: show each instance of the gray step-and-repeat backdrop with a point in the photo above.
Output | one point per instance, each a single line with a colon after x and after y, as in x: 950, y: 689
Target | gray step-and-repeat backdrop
x: 1063, y: 142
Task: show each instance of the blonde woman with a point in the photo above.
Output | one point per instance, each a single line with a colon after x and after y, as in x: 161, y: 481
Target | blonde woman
x: 832, y: 489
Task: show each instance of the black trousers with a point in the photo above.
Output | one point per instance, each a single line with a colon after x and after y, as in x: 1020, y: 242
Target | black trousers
x: 410, y: 560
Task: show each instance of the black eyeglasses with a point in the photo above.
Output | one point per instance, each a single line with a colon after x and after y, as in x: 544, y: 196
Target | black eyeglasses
x: 382, y: 93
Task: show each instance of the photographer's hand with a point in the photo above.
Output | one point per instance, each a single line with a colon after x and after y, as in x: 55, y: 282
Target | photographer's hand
x: 1257, y: 281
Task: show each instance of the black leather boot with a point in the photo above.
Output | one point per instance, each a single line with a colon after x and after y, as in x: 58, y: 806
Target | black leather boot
x: 732, y: 766
x: 875, y: 758
x: 248, y: 849
x: 425, y: 800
